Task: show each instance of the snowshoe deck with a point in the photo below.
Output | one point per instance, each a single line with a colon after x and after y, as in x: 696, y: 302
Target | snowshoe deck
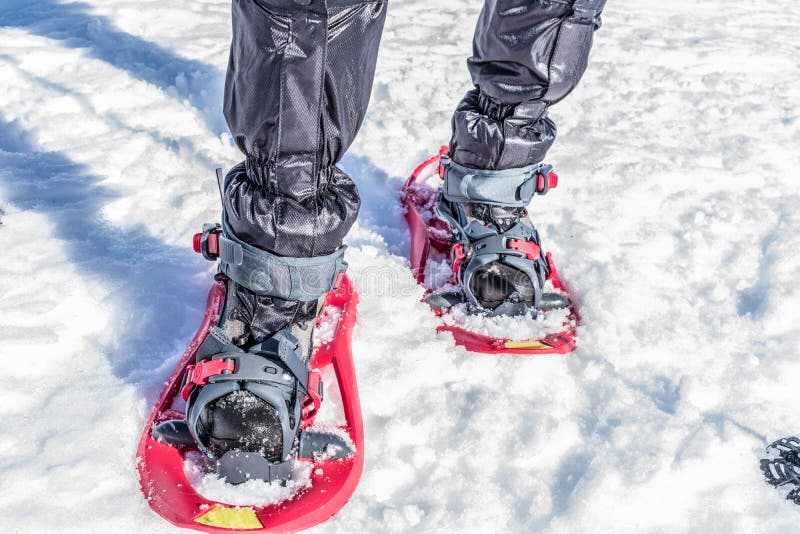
x: 333, y: 480
x: 429, y: 233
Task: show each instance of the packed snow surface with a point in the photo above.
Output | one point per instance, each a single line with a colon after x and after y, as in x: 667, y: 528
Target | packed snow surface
x: 533, y: 325
x: 677, y: 223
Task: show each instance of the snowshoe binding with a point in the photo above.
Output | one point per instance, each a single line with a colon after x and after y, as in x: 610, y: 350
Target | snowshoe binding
x: 782, y: 467
x: 483, y: 267
x: 245, y: 406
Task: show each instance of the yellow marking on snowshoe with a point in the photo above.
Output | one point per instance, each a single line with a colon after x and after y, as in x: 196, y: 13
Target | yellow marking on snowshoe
x: 527, y: 344
x: 234, y: 518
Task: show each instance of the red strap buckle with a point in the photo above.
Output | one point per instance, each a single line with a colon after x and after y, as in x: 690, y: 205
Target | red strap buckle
x: 543, y: 186
x: 314, y: 400
x: 212, y: 244
x: 458, y: 258
x: 198, y: 375
x: 531, y: 249
x: 444, y: 162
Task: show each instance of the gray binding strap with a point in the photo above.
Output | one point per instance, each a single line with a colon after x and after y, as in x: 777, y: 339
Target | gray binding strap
x: 216, y: 342
x: 451, y: 221
x: 286, y: 347
x: 263, y: 273
x: 315, y: 444
x: 238, y: 467
x: 198, y: 400
x: 509, y: 187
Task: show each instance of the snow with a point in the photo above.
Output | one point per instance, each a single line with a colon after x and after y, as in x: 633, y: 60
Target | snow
x: 533, y: 325
x: 676, y: 222
x: 325, y: 330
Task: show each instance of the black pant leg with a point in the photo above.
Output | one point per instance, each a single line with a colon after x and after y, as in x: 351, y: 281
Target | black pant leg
x: 299, y: 81
x: 298, y: 85
x: 528, y: 55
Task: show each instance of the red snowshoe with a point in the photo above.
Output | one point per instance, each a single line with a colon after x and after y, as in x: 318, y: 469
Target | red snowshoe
x: 432, y: 240
x: 333, y: 479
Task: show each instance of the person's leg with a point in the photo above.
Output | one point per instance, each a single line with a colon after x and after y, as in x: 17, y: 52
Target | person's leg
x: 299, y: 81
x: 528, y: 55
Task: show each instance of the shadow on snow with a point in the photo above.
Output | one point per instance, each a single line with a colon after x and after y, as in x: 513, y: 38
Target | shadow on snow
x: 74, y: 26
x: 156, y: 290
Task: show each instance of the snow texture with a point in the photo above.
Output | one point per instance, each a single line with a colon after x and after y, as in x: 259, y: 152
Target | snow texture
x: 676, y: 222
x: 325, y: 330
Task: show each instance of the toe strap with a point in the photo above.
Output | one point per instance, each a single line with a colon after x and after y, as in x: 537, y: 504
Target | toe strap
x: 518, y: 247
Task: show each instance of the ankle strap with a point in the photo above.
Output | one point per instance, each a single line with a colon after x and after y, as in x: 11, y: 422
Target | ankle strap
x: 266, y: 274
x: 508, y: 187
